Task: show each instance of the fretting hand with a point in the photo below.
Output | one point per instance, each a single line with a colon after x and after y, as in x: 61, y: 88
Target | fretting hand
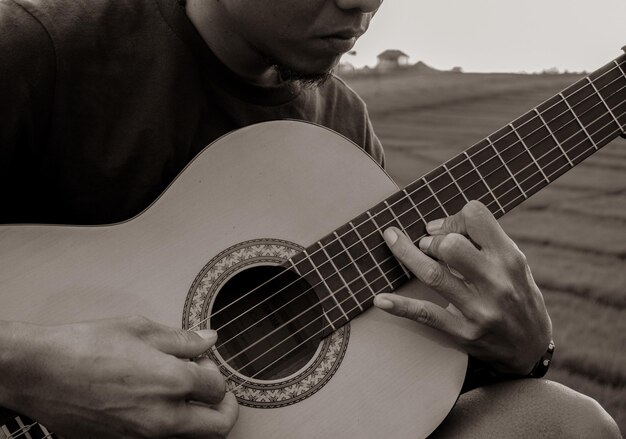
x: 127, y: 377
x: 496, y: 310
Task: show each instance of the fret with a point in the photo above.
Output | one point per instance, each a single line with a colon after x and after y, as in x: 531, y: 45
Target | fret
x: 605, y: 103
x: 558, y: 143
x: 332, y: 278
x: 611, y: 86
x: 355, y: 265
x: 5, y: 431
x: 403, y: 211
x: 414, y: 206
x: 494, y: 173
x: 358, y: 252
x: 347, y: 286
x: 406, y: 272
x: 578, y: 120
x: 456, y: 183
x: 313, y: 278
x: 443, y: 185
x: 507, y: 168
x: 24, y: 429
x: 422, y: 197
x: 435, y: 196
x: 368, y: 250
x: 529, y: 153
x: 485, y: 183
x: 328, y: 288
x: 620, y: 68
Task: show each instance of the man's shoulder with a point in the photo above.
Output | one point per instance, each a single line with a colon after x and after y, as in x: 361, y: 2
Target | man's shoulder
x: 71, y: 19
x: 337, y: 90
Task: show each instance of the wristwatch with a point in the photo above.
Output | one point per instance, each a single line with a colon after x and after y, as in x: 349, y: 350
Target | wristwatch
x: 542, y: 366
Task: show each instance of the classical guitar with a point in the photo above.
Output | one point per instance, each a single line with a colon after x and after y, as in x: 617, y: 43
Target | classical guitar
x: 272, y: 235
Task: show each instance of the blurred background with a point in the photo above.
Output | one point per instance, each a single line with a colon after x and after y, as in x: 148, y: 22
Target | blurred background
x: 440, y: 76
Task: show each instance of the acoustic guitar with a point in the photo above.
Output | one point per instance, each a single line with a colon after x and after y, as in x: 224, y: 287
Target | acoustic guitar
x: 273, y: 236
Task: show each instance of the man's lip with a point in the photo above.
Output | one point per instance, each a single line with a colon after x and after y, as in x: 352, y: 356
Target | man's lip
x: 345, y: 34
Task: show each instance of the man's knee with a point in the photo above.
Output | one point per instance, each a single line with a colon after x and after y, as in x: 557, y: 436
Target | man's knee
x: 528, y: 408
x: 584, y: 417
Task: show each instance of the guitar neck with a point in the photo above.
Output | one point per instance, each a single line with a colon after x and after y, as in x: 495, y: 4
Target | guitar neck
x: 352, y: 264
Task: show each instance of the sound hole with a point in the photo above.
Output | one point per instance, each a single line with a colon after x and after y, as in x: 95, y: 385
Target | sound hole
x: 268, y: 323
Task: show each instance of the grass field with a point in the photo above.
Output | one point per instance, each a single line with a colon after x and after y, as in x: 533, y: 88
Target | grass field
x: 573, y: 232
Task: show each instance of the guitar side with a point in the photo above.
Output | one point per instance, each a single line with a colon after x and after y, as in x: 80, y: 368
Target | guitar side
x: 280, y: 180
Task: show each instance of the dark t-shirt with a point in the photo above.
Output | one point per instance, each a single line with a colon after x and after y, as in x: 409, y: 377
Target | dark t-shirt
x: 103, y: 103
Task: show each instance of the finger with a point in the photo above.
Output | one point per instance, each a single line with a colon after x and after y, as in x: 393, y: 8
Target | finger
x: 182, y: 343
x: 429, y: 271
x: 208, y: 384
x: 456, y: 251
x: 421, y: 311
x: 475, y: 221
x: 201, y: 421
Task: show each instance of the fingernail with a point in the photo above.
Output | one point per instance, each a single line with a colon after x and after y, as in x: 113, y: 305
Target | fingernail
x: 383, y: 303
x: 434, y: 226
x: 207, y: 334
x: 424, y: 243
x: 390, y: 236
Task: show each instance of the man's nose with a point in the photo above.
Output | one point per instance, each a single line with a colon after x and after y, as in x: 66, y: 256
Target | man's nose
x: 364, y: 6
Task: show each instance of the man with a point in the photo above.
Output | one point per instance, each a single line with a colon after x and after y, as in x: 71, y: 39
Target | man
x: 104, y: 102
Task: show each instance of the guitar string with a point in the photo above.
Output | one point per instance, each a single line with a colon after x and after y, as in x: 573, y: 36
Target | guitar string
x: 379, y: 277
x: 25, y: 429
x: 396, y: 279
x: 464, y: 161
x: 428, y: 213
x: 374, y: 267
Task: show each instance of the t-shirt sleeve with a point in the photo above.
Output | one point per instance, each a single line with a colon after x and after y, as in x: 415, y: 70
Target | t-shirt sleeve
x: 26, y: 84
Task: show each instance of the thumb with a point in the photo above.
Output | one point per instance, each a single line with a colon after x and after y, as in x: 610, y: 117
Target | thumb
x: 185, y: 344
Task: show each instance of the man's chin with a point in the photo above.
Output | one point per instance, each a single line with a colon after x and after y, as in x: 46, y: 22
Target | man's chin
x: 310, y: 79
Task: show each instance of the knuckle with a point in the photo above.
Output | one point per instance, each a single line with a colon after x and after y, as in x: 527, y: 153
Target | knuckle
x: 515, y: 260
x: 433, y: 276
x: 449, y: 244
x: 473, y: 334
x: 139, y: 324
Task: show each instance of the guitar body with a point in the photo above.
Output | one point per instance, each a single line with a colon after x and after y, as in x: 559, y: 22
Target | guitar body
x: 252, y: 198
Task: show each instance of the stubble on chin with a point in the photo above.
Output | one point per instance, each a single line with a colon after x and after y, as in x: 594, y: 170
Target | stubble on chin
x: 304, y: 79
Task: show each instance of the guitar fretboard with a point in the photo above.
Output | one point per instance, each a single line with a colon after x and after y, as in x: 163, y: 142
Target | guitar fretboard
x: 351, y: 265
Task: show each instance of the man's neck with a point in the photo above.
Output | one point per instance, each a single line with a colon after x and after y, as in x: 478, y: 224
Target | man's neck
x: 235, y: 52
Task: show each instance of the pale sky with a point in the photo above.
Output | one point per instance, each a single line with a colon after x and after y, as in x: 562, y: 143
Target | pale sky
x: 498, y: 35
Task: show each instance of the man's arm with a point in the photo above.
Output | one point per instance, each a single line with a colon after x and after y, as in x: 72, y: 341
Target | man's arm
x: 114, y: 378
x: 496, y: 310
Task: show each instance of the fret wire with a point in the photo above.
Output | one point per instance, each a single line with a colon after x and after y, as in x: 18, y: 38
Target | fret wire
x: 323, y: 310
x: 330, y: 291
x: 340, y: 275
x: 619, y: 66
x: 24, y: 429
x: 354, y: 263
x: 435, y: 196
x: 414, y: 206
x: 406, y: 272
x: 507, y: 167
x: 605, y: 103
x: 554, y: 137
x: 369, y: 252
x: 582, y: 125
x: 6, y: 431
x: 477, y: 169
x: 529, y: 153
x: 484, y: 182
x: 455, y: 182
x: 512, y: 201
